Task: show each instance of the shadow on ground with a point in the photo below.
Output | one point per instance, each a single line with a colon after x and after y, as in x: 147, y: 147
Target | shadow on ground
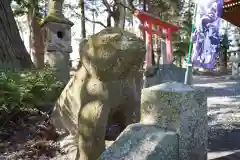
x: 224, y: 138
x: 233, y: 156
x: 221, y: 89
x: 224, y: 131
x: 223, y: 116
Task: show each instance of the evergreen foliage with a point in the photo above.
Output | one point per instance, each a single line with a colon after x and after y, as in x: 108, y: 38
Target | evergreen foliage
x: 22, y: 89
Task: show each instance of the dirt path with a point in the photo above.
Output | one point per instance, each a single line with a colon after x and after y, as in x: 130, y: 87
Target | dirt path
x: 223, y: 116
x: 27, y: 135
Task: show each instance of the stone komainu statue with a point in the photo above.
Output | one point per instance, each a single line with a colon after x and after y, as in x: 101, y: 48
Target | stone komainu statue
x: 105, y: 87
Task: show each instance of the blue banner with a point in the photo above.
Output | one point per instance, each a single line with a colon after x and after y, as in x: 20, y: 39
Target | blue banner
x: 206, y: 39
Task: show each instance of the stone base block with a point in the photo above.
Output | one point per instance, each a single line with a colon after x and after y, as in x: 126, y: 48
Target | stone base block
x: 182, y: 109
x: 166, y: 73
x: 61, y: 62
x: 143, y: 142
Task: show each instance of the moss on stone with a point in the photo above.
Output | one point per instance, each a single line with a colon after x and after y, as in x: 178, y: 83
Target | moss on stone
x: 112, y: 54
x: 52, y: 17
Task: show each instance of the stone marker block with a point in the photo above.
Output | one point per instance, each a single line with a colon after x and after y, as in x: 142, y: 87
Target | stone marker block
x: 143, y: 142
x: 180, y: 108
x: 166, y: 73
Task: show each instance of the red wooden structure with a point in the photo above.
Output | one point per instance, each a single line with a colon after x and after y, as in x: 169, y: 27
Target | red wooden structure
x: 148, y: 20
x: 231, y: 10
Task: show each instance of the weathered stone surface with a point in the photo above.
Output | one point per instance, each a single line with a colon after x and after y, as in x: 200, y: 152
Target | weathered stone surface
x: 96, y: 92
x: 57, y: 48
x: 181, y: 108
x: 106, y: 54
x: 166, y: 73
x: 143, y: 142
x: 57, y: 36
x: 55, y: 13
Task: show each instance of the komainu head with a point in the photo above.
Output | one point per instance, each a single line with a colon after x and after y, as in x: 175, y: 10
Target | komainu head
x: 112, y: 54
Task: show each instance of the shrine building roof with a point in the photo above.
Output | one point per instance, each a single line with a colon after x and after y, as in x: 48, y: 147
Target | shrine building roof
x: 231, y: 11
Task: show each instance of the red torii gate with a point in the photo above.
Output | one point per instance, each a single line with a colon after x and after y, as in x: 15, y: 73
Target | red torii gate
x: 148, y: 20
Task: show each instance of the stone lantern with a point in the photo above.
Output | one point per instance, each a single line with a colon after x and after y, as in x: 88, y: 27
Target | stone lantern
x: 235, y: 59
x: 57, y: 37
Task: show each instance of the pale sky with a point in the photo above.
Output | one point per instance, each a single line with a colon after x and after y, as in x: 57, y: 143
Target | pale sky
x: 76, y: 29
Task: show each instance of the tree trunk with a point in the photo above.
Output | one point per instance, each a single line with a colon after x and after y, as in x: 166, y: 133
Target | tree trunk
x: 144, y: 5
x: 94, y: 24
x: 109, y: 20
x: 119, y: 14
x: 13, y: 53
x: 180, y: 61
x: 145, y: 10
x: 122, y: 14
x: 93, y: 16
x: 83, y: 29
x: 36, y: 40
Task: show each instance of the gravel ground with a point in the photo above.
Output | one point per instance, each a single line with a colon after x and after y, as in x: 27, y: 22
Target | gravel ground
x: 223, y: 116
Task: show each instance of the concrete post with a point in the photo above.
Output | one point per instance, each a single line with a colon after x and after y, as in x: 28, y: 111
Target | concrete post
x: 178, y: 107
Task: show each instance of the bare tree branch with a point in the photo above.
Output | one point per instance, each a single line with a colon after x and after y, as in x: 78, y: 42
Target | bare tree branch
x: 107, y: 5
x: 109, y: 10
x: 97, y: 22
x: 131, y: 8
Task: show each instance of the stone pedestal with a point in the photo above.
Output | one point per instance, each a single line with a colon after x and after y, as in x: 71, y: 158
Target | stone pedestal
x: 235, y: 59
x: 182, y: 109
x: 166, y: 73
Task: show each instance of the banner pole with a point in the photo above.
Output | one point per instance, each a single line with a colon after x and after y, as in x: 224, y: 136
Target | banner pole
x: 188, y: 73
